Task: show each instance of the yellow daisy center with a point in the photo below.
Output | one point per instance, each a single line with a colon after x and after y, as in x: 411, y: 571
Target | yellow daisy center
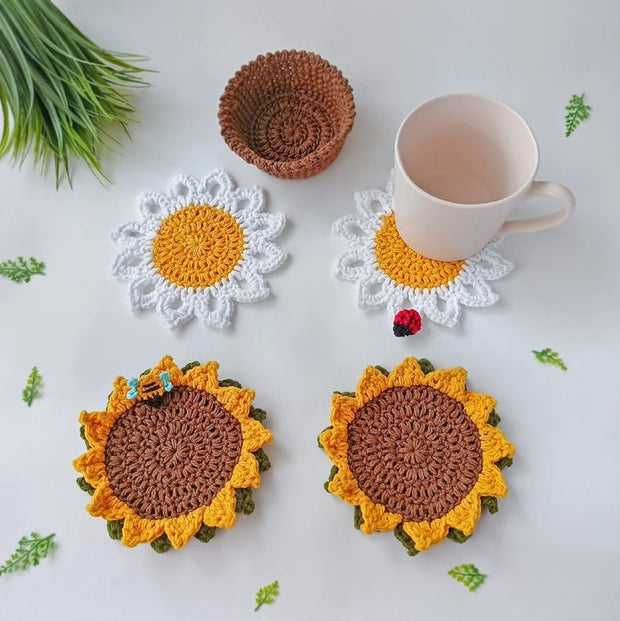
x: 407, y: 267
x: 198, y: 246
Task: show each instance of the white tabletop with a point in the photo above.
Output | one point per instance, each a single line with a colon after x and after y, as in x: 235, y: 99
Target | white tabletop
x: 552, y: 550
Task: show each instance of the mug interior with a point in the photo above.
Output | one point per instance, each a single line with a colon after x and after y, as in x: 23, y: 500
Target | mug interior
x: 467, y: 149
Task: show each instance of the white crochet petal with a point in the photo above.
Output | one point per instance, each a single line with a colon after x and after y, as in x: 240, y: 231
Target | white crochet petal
x: 264, y: 257
x: 353, y: 231
x: 352, y: 265
x: 213, y: 309
x: 176, y: 306
x: 132, y: 262
x: 145, y: 290
x: 375, y: 289
x: 216, y: 188
x: 248, y: 287
x: 154, y: 207
x: 132, y: 233
x: 212, y: 304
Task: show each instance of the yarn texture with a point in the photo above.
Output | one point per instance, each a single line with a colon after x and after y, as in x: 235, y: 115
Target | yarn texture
x: 389, y: 274
x: 417, y: 453
x: 198, y: 249
x: 288, y: 113
x: 174, y: 455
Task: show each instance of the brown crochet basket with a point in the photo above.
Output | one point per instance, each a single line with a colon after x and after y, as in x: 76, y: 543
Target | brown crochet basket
x: 288, y: 113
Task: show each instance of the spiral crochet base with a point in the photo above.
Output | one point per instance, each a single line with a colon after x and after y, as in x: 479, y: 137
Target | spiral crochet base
x: 287, y: 113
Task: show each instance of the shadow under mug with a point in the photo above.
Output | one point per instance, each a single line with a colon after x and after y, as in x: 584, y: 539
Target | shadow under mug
x: 462, y: 165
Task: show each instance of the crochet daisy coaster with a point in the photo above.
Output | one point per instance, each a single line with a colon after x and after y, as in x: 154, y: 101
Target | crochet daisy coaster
x: 198, y: 249
x: 174, y: 455
x: 417, y: 453
x: 390, y: 274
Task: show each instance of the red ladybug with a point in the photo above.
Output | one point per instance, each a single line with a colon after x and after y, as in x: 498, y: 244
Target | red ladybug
x: 407, y: 322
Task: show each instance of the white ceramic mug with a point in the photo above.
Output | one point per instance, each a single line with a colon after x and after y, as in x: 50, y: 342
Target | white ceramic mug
x: 462, y: 164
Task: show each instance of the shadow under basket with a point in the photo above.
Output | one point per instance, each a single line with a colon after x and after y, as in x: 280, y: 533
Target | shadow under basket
x: 288, y: 113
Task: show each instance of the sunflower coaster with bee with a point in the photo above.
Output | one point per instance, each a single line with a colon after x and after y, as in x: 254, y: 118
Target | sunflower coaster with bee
x: 416, y: 453
x: 174, y: 455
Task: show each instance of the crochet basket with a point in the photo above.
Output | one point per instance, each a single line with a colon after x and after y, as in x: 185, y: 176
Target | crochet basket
x: 288, y: 113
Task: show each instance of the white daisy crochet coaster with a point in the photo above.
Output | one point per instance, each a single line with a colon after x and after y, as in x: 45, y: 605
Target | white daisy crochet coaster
x: 390, y: 274
x: 199, y: 248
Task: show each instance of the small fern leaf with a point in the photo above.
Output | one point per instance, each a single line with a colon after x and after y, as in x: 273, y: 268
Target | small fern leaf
x: 576, y: 112
x: 469, y: 575
x: 548, y: 356
x: 266, y: 594
x: 33, y: 387
x: 30, y: 551
x: 22, y: 270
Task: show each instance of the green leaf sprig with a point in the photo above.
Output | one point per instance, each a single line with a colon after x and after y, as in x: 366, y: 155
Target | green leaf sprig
x: 576, y: 112
x: 22, y: 270
x: 548, y: 356
x: 33, y: 387
x: 266, y: 594
x: 58, y: 89
x: 469, y: 575
x: 30, y: 551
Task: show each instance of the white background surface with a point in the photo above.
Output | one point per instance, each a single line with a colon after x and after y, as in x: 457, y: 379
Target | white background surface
x: 552, y: 551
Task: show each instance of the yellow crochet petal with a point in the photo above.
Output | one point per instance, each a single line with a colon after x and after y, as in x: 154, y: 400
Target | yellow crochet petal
x: 140, y: 530
x: 255, y: 436
x: 246, y: 472
x: 236, y: 400
x: 478, y: 406
x: 491, y: 482
x: 371, y: 385
x: 343, y: 409
x: 97, y: 426
x: 92, y: 465
x: 425, y: 534
x: 221, y: 512
x: 449, y: 381
x: 466, y: 514
x: 408, y: 373
x: 183, y: 527
x: 494, y: 444
x: 168, y: 364
x: 377, y: 517
x: 334, y: 443
x: 106, y: 505
x: 344, y: 485
x: 118, y: 401
x: 203, y: 377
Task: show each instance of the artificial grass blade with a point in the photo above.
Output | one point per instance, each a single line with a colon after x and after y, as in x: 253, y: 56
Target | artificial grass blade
x: 58, y: 89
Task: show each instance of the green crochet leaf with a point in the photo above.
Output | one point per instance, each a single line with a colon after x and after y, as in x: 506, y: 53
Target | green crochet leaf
x: 469, y: 575
x: 33, y: 387
x: 22, y: 270
x: 576, y: 112
x: 406, y: 540
x: 30, y: 551
x: 266, y: 594
x: 548, y: 356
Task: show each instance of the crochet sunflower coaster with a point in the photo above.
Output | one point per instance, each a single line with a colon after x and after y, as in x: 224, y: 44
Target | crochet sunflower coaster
x: 417, y: 453
x: 198, y: 249
x: 390, y: 274
x: 174, y: 455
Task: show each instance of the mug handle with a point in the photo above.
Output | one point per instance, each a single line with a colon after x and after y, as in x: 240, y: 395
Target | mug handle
x: 549, y: 189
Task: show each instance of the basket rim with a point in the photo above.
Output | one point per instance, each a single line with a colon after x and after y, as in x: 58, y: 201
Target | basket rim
x: 237, y: 144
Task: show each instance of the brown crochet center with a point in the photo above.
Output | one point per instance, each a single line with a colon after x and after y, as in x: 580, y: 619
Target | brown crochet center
x: 167, y: 458
x: 414, y: 450
x: 287, y: 113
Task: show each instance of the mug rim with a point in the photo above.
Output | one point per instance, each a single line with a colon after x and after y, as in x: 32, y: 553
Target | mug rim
x: 522, y: 188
